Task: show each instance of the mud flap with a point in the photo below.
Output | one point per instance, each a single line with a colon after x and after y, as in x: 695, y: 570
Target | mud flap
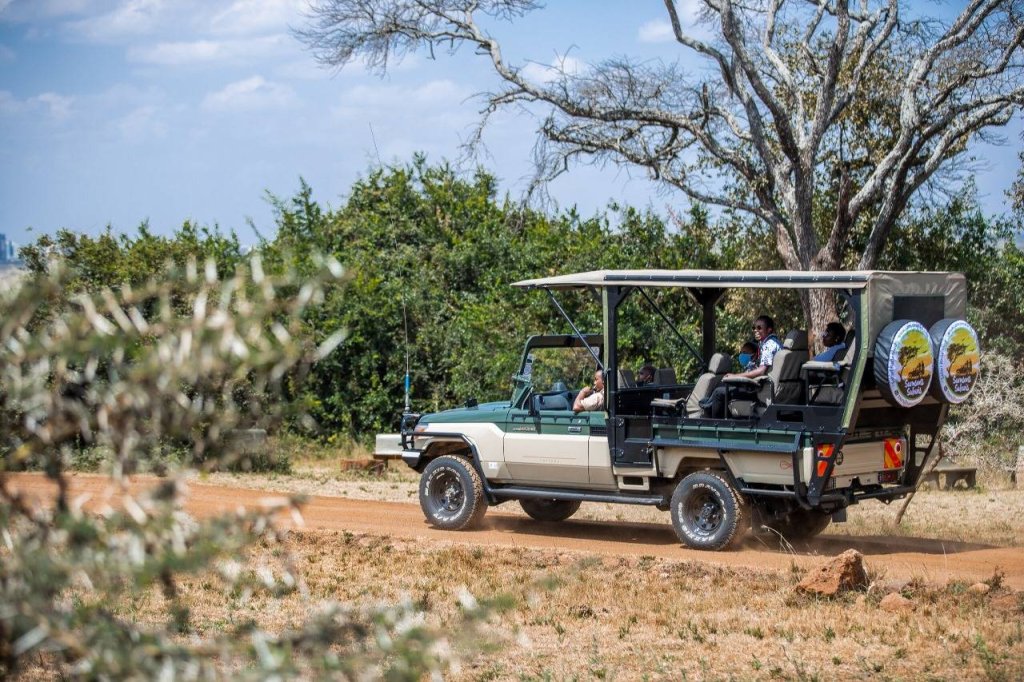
x: 826, y: 450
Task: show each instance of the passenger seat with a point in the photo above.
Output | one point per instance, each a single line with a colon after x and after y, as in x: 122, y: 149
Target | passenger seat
x: 783, y: 384
x: 826, y: 381
x: 718, y: 366
x: 666, y: 376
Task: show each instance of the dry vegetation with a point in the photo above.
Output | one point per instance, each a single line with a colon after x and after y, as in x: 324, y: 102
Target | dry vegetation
x: 567, y: 616
x: 564, y: 615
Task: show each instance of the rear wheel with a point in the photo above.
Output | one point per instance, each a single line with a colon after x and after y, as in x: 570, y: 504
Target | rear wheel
x: 451, y: 494
x: 801, y: 524
x: 707, y: 513
x: 550, y: 510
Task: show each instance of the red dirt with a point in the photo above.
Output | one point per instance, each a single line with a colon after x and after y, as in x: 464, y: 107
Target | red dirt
x: 934, y: 560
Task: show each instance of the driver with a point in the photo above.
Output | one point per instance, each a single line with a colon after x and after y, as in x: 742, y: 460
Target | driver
x: 591, y: 399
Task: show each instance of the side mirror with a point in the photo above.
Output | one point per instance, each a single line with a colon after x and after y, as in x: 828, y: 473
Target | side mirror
x: 532, y: 406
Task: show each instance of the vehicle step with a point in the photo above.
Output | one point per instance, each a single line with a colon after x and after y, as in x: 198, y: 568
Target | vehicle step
x: 518, y: 492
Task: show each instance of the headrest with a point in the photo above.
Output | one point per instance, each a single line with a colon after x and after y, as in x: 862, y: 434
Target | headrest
x: 796, y: 339
x: 720, y: 363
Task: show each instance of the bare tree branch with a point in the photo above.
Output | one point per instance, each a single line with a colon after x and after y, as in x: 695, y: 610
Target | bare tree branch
x: 803, y: 98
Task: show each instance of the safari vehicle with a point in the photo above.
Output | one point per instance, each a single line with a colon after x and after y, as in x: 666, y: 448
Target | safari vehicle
x: 818, y: 437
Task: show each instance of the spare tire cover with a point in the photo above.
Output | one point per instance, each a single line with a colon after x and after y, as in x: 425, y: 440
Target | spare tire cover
x: 904, y: 362
x: 957, y: 360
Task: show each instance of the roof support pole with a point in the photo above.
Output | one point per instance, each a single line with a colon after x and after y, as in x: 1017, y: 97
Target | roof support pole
x: 575, y: 330
x: 708, y: 298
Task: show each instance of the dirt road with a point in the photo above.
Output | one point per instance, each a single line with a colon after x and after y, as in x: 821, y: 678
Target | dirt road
x: 934, y: 560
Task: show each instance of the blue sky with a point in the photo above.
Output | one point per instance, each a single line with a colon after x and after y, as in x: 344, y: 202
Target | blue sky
x: 118, y: 111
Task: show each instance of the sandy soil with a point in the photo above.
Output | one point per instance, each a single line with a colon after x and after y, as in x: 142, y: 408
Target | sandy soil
x: 933, y: 560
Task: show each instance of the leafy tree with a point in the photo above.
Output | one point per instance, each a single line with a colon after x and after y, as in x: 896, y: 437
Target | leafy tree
x: 434, y: 255
x: 800, y: 99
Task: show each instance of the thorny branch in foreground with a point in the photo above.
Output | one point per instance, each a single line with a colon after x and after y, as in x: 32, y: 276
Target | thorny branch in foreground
x: 124, y: 371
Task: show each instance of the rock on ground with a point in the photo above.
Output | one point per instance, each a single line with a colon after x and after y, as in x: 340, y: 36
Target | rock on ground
x: 840, y: 574
x: 896, y: 603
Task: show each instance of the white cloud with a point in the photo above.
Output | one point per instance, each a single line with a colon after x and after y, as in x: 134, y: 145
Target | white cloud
x: 9, y: 104
x: 142, y: 124
x: 130, y: 18
x: 246, y: 17
x: 399, y: 98
x: 249, y: 94
x: 207, y: 51
x: 50, y: 103
x: 58, y: 106
x: 657, y: 31
x: 546, y: 73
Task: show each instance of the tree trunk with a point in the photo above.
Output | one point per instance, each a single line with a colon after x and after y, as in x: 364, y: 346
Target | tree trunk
x: 820, y: 310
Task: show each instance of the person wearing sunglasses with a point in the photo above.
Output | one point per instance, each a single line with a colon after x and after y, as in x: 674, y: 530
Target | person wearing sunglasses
x: 768, y: 345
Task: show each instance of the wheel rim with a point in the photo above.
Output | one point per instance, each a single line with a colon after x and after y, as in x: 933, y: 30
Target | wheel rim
x: 704, y: 513
x: 446, y: 493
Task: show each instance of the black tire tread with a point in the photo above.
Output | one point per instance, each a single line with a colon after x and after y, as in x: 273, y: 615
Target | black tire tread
x: 474, y: 497
x: 739, y: 504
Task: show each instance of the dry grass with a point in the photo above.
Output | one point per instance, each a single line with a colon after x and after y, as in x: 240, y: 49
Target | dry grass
x: 567, y: 616
x: 570, y: 616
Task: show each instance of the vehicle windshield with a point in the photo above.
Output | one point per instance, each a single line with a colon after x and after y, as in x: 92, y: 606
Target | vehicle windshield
x: 558, y: 369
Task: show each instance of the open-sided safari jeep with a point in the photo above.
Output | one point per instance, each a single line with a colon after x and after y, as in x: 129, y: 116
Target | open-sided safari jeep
x: 818, y: 437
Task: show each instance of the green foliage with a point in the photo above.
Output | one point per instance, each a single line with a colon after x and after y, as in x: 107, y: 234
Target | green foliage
x: 436, y: 253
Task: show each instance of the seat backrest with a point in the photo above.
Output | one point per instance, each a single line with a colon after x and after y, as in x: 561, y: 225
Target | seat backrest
x: 787, y: 385
x: 831, y: 389
x: 718, y: 366
x: 666, y: 376
x: 626, y: 379
x: 552, y: 402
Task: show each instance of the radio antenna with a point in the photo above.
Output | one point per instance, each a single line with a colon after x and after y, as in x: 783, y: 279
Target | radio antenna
x: 405, y: 313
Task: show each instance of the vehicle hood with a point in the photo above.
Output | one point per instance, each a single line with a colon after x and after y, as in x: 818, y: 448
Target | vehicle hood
x: 478, y: 413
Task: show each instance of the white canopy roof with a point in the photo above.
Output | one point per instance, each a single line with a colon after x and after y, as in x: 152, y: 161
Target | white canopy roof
x: 720, y: 279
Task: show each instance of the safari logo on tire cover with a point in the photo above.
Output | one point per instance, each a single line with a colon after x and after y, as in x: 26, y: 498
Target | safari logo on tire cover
x: 910, y: 364
x: 958, y: 356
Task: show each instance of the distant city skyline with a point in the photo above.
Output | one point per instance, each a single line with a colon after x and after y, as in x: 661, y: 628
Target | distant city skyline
x: 122, y: 111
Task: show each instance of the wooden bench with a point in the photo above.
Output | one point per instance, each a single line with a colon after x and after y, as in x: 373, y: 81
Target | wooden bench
x: 951, y: 475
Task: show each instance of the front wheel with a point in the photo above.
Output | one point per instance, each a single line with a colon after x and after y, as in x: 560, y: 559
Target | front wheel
x: 707, y: 512
x: 549, y: 510
x: 451, y: 494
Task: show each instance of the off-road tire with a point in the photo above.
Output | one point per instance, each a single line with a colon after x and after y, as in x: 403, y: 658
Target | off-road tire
x: 451, y: 495
x: 549, y: 510
x: 708, y: 513
x: 801, y: 524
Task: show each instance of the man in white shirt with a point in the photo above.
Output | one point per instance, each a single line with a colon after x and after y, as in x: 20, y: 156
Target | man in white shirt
x: 767, y: 346
x: 591, y: 399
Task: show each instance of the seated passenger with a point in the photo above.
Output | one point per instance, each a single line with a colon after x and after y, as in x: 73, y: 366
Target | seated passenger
x: 768, y: 345
x: 748, y: 351
x: 645, y: 377
x: 591, y: 399
x: 834, y: 339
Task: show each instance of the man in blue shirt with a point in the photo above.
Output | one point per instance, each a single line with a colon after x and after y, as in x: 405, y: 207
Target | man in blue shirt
x: 834, y: 339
